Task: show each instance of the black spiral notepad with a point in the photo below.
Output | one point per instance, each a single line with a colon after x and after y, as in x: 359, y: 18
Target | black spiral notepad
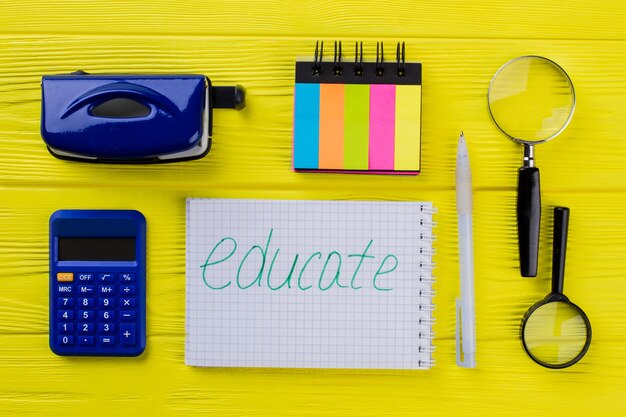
x: 357, y: 116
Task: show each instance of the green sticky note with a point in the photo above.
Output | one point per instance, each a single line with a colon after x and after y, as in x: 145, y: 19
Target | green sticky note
x: 356, y: 126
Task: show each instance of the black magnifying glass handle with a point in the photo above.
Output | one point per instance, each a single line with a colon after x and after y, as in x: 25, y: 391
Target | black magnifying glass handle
x: 559, y: 248
x: 528, y: 219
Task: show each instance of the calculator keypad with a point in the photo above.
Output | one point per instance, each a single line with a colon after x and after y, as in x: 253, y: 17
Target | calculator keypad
x: 97, y: 310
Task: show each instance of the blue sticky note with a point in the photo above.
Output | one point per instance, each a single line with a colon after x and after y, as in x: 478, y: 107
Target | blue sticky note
x: 306, y: 126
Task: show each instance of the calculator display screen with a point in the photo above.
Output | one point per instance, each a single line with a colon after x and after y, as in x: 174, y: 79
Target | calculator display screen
x: 96, y: 249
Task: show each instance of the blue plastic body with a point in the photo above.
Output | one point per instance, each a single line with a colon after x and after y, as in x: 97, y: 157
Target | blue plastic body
x: 93, y: 329
x: 175, y: 121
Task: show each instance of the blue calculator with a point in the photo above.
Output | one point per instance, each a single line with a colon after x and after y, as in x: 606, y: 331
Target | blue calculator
x: 98, y: 282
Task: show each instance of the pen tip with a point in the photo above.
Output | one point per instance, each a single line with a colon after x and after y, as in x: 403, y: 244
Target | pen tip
x: 462, y: 133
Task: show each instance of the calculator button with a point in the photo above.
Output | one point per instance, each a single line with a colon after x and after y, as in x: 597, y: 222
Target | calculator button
x: 106, y: 289
x: 65, y: 276
x: 106, y: 314
x: 65, y: 289
x: 65, y: 327
x: 66, y: 340
x: 106, y: 340
x: 85, y: 289
x: 127, y: 277
x: 106, y: 302
x: 127, y: 302
x: 106, y: 277
x: 65, y: 302
x: 127, y: 334
x: 106, y: 327
x: 65, y: 315
x: 85, y: 302
x: 127, y: 315
x: 85, y: 315
x: 127, y: 289
x: 85, y: 340
x: 85, y: 277
x: 85, y: 327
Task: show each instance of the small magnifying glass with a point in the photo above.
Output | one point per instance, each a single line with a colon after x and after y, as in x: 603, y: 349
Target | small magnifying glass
x: 531, y: 100
x: 555, y: 332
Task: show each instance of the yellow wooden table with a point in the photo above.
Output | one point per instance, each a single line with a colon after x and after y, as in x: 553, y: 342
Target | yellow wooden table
x: 461, y: 44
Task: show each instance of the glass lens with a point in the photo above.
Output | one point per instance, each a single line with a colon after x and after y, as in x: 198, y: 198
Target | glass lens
x: 555, y: 333
x: 531, y: 99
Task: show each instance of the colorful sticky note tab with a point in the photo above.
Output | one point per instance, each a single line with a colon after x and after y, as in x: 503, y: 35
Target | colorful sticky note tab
x: 369, y: 124
x: 331, y: 125
x: 306, y: 123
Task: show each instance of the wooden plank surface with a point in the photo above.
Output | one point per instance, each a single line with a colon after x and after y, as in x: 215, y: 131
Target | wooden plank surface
x: 531, y: 19
x: 461, y: 45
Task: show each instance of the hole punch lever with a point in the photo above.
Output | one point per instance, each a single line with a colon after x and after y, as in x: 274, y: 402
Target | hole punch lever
x: 233, y: 97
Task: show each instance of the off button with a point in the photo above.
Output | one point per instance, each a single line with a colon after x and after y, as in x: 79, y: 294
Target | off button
x: 86, y: 277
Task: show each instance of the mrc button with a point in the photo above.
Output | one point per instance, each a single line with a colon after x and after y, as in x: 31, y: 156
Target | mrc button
x: 65, y: 289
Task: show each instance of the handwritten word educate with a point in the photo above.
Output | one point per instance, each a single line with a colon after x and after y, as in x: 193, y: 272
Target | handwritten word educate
x: 300, y: 276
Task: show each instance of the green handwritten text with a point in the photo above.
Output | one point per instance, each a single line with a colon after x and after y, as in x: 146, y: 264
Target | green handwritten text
x: 318, y: 271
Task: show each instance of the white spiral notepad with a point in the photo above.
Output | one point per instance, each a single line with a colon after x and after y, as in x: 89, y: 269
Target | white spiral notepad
x: 309, y: 284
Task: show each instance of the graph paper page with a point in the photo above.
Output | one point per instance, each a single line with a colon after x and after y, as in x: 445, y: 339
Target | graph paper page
x: 309, y: 284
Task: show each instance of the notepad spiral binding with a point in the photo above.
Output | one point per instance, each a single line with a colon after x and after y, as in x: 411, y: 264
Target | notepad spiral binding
x: 426, y: 252
x: 372, y: 72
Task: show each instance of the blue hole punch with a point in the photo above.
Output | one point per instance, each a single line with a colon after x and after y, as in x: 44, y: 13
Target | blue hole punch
x: 131, y: 118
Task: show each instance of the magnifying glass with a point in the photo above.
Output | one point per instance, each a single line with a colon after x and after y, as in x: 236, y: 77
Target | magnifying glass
x: 531, y: 100
x: 555, y: 332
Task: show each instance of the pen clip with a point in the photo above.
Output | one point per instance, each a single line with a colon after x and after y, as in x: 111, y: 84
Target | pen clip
x: 468, y: 357
x: 458, y: 333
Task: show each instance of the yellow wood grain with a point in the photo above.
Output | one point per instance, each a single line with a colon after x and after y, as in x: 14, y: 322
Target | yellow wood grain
x: 461, y: 45
x: 536, y: 19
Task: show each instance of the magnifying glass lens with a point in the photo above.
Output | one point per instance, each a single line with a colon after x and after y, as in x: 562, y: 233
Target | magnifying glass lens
x: 531, y: 99
x: 555, y: 333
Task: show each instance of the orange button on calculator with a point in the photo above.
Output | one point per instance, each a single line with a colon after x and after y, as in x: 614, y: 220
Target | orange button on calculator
x: 65, y: 276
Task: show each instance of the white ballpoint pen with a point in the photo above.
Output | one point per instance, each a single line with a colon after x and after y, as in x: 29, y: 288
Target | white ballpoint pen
x: 465, y: 314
